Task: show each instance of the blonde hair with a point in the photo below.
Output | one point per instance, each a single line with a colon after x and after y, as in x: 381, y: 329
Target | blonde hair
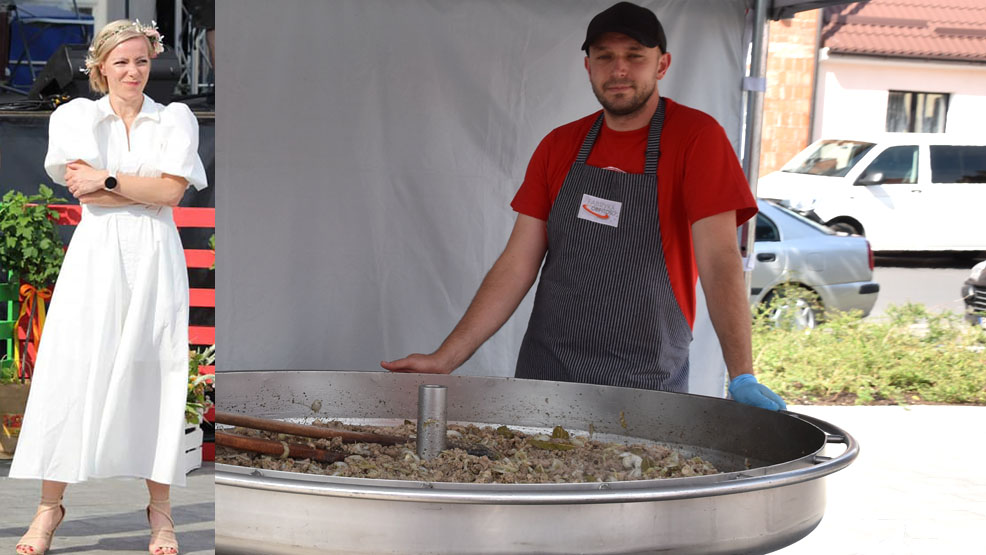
x: 108, y: 38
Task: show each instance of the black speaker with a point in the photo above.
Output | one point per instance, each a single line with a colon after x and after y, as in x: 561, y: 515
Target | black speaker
x: 62, y: 75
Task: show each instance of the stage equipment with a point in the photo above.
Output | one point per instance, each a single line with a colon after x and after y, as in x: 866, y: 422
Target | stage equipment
x: 63, y: 75
x: 35, y: 33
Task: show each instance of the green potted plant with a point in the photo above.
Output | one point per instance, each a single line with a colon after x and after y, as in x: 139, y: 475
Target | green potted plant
x: 30, y: 247
x: 197, y: 403
x: 31, y: 254
x: 199, y: 385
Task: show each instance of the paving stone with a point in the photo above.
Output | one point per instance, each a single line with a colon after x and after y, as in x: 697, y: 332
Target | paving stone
x: 107, y: 516
x: 916, y: 487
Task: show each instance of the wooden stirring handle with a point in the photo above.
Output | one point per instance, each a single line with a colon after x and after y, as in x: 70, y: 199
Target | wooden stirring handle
x: 318, y: 432
x: 277, y: 448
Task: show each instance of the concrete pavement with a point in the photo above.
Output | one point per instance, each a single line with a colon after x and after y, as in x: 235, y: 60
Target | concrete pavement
x: 107, y: 516
x: 938, y: 289
x: 918, y: 486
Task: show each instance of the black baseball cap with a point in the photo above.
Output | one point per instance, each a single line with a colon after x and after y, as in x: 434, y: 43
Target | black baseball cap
x: 632, y: 20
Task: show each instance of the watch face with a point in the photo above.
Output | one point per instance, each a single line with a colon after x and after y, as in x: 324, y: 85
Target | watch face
x: 110, y: 182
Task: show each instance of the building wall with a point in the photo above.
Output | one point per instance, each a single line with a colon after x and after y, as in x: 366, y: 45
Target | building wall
x: 787, y: 101
x: 104, y: 11
x: 853, y: 92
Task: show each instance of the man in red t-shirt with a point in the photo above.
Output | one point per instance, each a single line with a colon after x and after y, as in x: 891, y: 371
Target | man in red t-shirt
x: 626, y: 207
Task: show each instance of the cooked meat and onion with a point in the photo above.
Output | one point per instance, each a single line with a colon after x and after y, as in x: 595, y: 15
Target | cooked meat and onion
x: 479, y: 455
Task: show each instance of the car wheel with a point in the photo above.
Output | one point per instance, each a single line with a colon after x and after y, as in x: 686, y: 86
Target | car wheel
x: 792, y: 308
x: 845, y: 227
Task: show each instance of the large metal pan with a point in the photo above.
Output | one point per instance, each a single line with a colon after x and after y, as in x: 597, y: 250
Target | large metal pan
x: 771, y: 494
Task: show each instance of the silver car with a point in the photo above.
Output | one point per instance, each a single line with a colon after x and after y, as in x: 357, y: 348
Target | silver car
x: 808, y: 268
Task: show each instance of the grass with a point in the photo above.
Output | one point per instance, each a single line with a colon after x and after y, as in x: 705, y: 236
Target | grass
x: 911, y: 356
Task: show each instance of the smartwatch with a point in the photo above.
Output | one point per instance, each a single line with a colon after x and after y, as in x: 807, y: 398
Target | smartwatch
x: 110, y: 182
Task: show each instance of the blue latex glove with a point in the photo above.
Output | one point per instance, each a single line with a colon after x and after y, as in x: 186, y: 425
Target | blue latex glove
x: 747, y: 390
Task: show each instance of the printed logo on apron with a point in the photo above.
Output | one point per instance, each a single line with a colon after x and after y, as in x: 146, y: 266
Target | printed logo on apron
x: 600, y: 210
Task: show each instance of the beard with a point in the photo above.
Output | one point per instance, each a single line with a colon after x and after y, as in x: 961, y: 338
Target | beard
x: 624, y: 105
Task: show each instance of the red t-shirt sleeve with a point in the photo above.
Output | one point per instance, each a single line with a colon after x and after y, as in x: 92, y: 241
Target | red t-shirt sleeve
x: 548, y: 167
x: 712, y: 179
x: 699, y: 176
x: 534, y: 196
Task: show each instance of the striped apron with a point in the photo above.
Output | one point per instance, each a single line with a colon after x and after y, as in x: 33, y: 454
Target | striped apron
x: 604, y: 312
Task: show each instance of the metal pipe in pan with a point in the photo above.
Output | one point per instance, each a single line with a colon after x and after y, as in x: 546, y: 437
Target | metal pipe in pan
x: 432, y: 422
x: 318, y: 432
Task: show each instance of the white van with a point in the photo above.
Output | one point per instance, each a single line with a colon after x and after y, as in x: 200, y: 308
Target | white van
x: 903, y: 191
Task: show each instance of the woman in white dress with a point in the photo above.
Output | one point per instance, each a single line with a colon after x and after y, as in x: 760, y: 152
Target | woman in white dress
x: 108, y: 393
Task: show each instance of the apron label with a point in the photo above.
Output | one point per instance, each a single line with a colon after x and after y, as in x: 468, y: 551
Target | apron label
x: 600, y: 210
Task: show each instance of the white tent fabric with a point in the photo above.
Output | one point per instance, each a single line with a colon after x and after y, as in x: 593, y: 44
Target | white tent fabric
x: 371, y: 149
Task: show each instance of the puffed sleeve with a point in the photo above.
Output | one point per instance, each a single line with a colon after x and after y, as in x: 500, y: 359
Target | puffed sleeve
x: 180, y: 155
x: 71, y: 138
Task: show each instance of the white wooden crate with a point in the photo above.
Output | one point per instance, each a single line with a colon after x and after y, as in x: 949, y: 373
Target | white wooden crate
x: 193, y: 448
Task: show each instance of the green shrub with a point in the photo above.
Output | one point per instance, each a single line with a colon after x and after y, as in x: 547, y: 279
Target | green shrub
x: 911, y: 356
x: 30, y: 247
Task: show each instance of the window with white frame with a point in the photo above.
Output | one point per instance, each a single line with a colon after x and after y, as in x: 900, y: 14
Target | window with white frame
x: 916, y: 112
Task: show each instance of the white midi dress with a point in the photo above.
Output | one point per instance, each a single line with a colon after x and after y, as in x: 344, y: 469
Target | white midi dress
x: 110, y: 380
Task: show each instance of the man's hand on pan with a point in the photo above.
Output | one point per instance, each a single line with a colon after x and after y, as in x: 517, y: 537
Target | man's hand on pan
x: 418, y: 363
x: 747, y: 390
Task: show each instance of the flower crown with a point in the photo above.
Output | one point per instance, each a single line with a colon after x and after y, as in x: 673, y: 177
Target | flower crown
x: 150, y: 31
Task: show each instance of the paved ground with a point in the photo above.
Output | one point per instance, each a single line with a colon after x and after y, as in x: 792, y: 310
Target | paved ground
x: 938, y: 289
x: 932, y: 279
x: 917, y: 488
x: 107, y: 516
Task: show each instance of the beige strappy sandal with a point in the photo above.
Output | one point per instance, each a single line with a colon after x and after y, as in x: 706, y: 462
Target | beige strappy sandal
x: 37, y: 540
x: 163, y: 540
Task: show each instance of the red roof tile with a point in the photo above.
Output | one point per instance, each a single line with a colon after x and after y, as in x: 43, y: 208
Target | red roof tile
x: 944, y: 30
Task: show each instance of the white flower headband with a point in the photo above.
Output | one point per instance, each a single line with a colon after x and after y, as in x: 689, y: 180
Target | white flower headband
x: 150, y: 31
